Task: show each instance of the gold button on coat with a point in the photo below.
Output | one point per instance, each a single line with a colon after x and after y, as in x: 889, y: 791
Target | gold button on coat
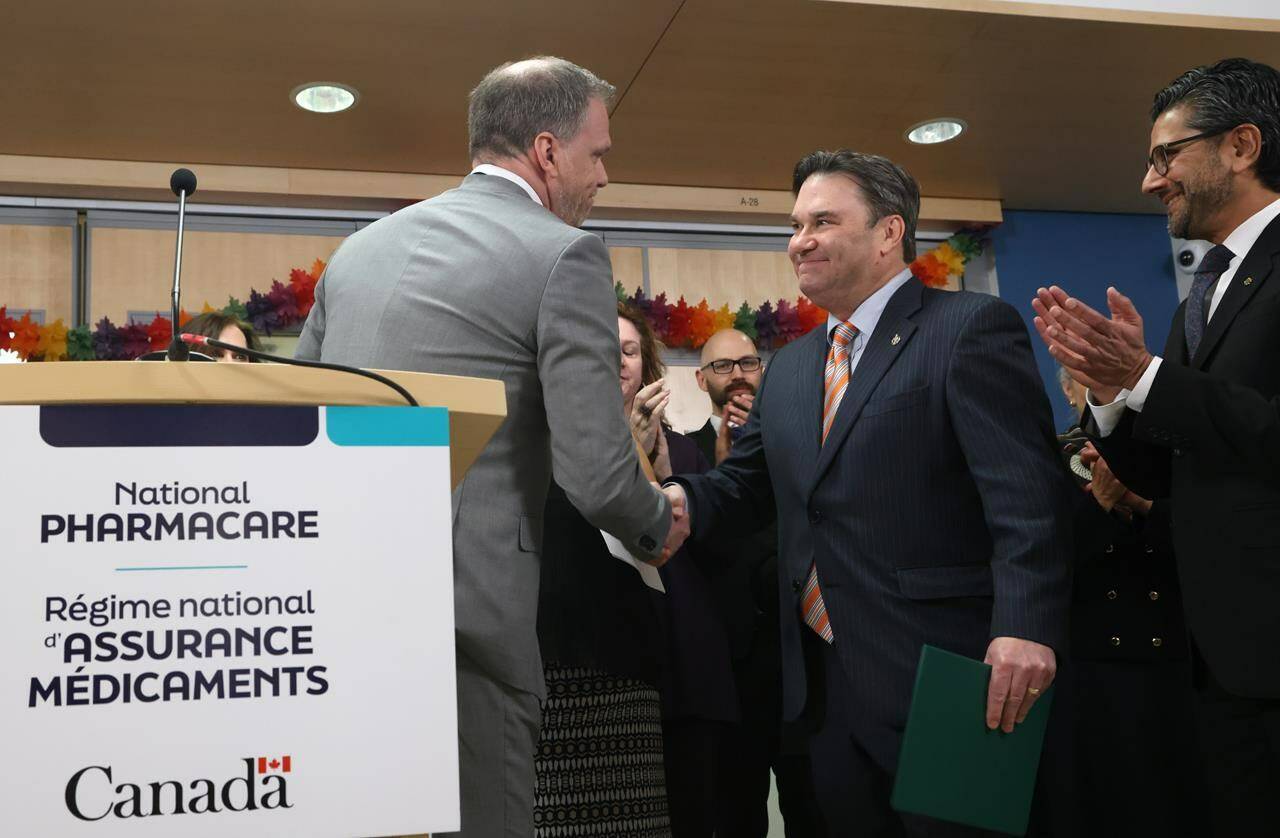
x: 1154, y: 595
x: 1157, y: 642
x: 1115, y: 641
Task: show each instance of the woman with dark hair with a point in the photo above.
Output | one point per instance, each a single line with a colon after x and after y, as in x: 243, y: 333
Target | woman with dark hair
x: 699, y: 699
x: 1137, y: 759
x: 228, y: 329
x: 632, y: 674
x: 599, y: 758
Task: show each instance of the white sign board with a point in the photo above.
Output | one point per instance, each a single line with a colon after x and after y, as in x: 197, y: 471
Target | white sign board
x: 226, y: 621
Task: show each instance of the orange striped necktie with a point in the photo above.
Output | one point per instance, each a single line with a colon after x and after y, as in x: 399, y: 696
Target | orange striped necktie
x: 837, y: 373
x: 836, y: 377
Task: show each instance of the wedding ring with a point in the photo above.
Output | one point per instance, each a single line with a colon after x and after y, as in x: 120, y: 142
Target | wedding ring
x: 1033, y: 691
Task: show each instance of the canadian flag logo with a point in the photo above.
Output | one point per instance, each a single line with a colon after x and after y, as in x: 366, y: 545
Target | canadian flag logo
x: 272, y: 764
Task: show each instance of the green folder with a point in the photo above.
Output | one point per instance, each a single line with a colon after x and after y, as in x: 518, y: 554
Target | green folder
x: 951, y: 766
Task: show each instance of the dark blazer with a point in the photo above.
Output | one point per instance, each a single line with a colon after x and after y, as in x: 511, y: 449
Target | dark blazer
x: 1208, y: 438
x: 594, y: 611
x: 699, y: 678
x: 744, y: 577
x: 936, y: 511
x: 1126, y: 600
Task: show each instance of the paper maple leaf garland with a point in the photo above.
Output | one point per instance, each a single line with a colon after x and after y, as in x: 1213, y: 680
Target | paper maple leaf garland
x: 281, y: 307
x: 773, y: 325
x: 679, y: 325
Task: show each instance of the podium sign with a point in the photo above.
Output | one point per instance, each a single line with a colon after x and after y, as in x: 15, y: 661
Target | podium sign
x: 226, y: 620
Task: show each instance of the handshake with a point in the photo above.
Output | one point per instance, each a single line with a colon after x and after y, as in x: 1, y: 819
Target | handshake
x: 680, y: 523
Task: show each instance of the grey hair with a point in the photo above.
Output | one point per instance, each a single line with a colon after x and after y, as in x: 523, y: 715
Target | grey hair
x: 888, y: 188
x: 1064, y: 378
x: 520, y: 99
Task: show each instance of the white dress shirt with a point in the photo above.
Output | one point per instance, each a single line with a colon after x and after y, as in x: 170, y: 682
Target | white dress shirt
x: 507, y: 174
x: 1240, y: 242
x: 866, y: 317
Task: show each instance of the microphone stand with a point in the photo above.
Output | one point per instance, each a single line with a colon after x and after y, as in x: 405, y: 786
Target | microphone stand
x: 183, y: 184
x: 259, y: 355
x: 178, y: 350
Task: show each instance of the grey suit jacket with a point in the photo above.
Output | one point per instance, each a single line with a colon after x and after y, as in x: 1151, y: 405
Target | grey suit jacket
x: 482, y: 281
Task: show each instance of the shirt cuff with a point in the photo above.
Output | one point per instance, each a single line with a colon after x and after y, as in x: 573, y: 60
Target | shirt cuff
x: 1107, y: 416
x: 1138, y: 397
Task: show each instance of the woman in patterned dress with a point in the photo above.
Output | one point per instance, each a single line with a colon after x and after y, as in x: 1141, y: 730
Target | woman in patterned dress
x: 599, y: 760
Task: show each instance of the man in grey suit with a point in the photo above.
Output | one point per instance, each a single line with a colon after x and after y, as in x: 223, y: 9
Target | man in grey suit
x: 493, y: 279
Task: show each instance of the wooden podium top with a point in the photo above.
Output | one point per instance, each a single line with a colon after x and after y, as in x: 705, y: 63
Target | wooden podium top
x: 476, y: 406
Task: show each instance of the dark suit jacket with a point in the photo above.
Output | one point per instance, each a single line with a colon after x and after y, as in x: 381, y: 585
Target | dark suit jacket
x: 936, y: 511
x: 744, y: 577
x: 1208, y: 438
x: 698, y: 683
x: 1127, y: 603
x: 594, y: 611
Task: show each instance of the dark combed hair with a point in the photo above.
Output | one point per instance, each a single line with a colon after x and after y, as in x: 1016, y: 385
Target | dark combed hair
x: 887, y: 187
x: 1219, y: 97
x: 509, y: 107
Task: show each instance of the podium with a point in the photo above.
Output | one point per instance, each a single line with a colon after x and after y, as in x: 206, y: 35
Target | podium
x: 227, y: 598
x: 477, y: 405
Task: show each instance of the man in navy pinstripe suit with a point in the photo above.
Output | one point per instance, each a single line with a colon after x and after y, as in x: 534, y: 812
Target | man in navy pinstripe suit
x: 908, y: 452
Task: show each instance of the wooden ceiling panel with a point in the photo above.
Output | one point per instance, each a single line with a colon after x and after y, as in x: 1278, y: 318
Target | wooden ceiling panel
x: 1056, y: 108
x: 210, y: 82
x: 717, y: 93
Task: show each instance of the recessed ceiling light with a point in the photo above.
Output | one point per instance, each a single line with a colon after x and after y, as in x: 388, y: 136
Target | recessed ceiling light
x: 324, y: 97
x: 936, y: 131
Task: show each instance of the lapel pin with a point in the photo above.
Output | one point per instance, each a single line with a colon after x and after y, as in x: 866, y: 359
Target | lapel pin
x: 895, y: 340
x: 1248, y: 280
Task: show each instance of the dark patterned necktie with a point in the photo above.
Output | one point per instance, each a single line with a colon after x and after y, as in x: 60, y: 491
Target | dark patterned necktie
x: 1197, y: 315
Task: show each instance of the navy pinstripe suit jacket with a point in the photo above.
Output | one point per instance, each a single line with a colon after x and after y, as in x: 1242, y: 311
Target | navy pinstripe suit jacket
x: 936, y: 511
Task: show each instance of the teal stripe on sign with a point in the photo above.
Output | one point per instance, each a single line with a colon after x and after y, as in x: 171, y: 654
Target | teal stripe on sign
x: 387, y: 425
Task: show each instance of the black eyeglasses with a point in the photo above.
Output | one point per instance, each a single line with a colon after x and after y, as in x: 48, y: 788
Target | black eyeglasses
x: 724, y: 366
x: 1163, y: 153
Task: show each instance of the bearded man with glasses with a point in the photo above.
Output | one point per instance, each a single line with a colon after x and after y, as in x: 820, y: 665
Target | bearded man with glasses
x: 745, y: 588
x: 1200, y: 424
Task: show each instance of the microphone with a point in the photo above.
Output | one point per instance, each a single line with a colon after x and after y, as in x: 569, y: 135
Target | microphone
x: 202, y: 340
x: 183, y: 184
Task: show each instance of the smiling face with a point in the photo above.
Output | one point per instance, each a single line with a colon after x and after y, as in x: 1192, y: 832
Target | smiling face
x: 840, y: 256
x: 578, y: 170
x: 1198, y: 184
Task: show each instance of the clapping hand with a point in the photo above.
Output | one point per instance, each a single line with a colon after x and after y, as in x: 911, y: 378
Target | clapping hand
x: 1105, y: 355
x: 734, y: 416
x: 646, y: 414
x: 1107, y: 489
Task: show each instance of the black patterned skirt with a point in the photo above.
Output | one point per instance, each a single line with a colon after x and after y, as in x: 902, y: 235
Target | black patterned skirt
x: 599, y: 759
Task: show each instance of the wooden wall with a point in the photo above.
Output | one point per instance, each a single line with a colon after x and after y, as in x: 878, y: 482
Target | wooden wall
x: 37, y: 269
x: 132, y: 269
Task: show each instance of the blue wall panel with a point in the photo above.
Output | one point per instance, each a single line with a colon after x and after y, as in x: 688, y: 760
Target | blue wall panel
x: 1084, y: 253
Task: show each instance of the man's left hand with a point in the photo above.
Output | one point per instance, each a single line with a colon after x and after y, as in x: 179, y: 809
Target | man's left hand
x: 1021, y: 671
x: 1104, y: 354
